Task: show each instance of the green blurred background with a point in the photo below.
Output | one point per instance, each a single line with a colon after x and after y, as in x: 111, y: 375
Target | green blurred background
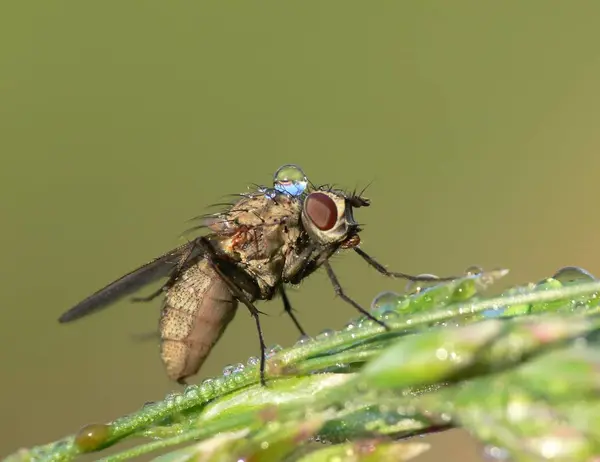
x: 120, y: 120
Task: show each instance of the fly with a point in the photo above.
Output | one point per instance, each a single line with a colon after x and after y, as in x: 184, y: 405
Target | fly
x: 265, y: 240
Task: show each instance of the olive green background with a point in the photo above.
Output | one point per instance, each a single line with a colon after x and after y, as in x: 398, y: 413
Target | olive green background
x: 477, y: 123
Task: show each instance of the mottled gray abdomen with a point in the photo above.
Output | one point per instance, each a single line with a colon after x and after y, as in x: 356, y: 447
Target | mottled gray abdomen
x: 198, y: 308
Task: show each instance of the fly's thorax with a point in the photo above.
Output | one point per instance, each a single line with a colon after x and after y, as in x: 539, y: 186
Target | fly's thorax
x: 197, y: 309
x: 260, y: 227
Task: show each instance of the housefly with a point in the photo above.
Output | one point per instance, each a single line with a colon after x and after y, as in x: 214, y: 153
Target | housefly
x: 266, y: 239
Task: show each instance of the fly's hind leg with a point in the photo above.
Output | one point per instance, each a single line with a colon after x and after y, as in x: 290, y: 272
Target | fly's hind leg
x: 287, y: 306
x: 239, y: 294
x: 152, y: 296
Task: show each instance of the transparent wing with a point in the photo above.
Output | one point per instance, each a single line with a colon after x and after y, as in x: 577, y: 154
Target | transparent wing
x: 152, y: 271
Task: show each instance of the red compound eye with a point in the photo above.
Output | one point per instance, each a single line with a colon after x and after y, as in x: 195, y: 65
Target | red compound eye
x: 321, y: 210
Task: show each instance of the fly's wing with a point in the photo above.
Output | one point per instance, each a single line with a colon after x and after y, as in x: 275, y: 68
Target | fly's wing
x: 158, y: 268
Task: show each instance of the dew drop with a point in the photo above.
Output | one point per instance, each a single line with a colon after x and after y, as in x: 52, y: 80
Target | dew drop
x: 389, y: 315
x: 571, y: 274
x: 253, y: 361
x: 228, y: 370
x: 273, y: 350
x: 384, y: 301
x: 416, y: 287
x: 92, y: 437
x: 171, y: 399
x: 473, y: 270
x: 324, y: 335
x: 548, y: 284
x: 464, y: 290
x: 290, y: 179
x: 351, y: 325
x: 496, y: 453
x: 207, y: 387
x: 366, y: 322
x: 238, y: 368
x: 191, y: 392
x: 303, y: 340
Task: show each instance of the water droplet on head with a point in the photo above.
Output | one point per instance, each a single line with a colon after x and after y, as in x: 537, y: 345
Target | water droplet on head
x: 571, y: 274
x: 290, y: 179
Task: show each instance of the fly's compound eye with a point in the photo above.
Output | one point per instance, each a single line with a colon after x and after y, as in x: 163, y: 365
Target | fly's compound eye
x: 322, y: 211
x: 326, y: 217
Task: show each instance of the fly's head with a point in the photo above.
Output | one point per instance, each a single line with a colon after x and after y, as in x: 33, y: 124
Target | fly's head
x: 328, y: 217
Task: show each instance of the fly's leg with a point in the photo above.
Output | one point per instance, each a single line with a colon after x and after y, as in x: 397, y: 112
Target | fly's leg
x: 287, y: 306
x: 340, y: 293
x: 172, y: 278
x: 152, y: 296
x: 237, y: 293
x: 379, y: 267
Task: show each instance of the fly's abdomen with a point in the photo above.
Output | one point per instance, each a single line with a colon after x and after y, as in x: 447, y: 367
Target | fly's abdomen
x: 198, y: 308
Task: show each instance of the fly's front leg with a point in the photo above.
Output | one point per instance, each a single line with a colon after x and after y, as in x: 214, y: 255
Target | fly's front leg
x: 287, y: 306
x: 340, y: 293
x: 379, y: 267
x: 239, y: 294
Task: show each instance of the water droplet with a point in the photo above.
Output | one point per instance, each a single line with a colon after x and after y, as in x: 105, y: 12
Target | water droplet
x: 273, y: 350
x: 473, y: 270
x: 416, y: 287
x: 385, y: 301
x: 228, y: 370
x: 303, y: 340
x: 92, y: 437
x: 171, y: 398
x: 365, y: 322
x: 496, y: 453
x: 191, y: 392
x: 389, y: 315
x: 324, y: 335
x: 352, y: 325
x: 290, y: 179
x: 548, y: 284
x: 464, y: 290
x: 238, y: 368
x: 253, y: 361
x: 571, y: 274
x: 207, y: 387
